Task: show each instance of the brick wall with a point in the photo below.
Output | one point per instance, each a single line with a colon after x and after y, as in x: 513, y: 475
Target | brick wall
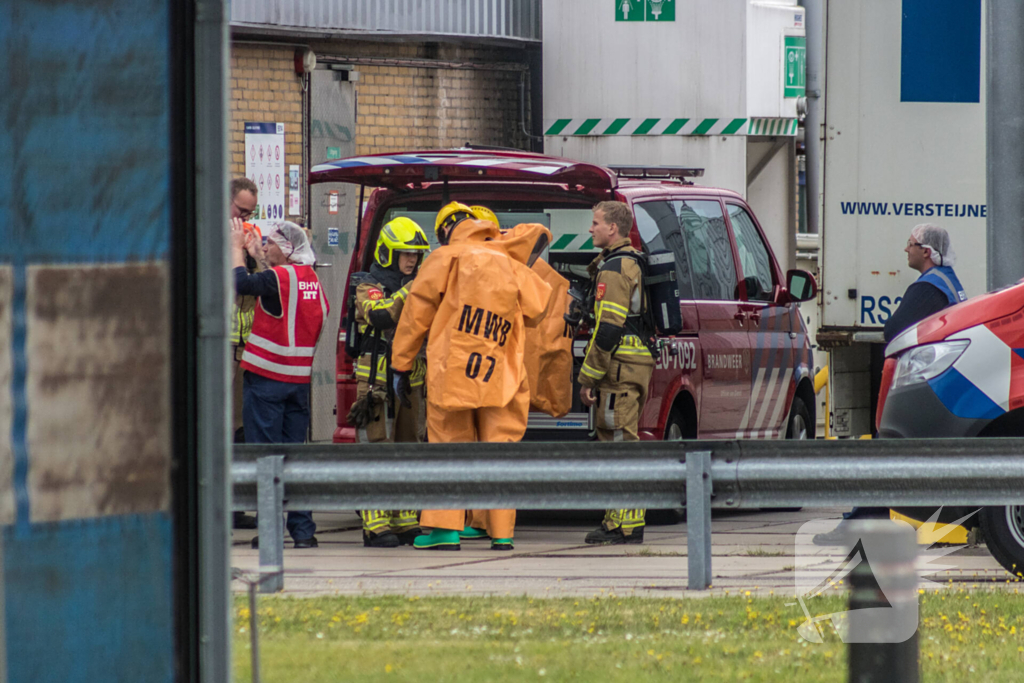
x: 402, y: 108
x: 399, y: 108
x: 264, y: 88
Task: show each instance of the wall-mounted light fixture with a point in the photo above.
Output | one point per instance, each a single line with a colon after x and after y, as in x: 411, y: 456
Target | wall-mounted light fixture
x: 305, y: 61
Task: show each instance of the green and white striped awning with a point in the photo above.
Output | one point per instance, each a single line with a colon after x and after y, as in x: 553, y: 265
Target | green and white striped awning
x: 667, y: 126
x: 573, y: 242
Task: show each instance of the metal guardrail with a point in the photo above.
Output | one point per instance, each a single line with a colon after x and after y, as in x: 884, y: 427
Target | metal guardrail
x: 553, y: 476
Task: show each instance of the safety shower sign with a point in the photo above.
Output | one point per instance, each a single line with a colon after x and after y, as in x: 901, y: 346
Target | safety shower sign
x: 794, y: 66
x: 264, y: 165
x: 645, y: 10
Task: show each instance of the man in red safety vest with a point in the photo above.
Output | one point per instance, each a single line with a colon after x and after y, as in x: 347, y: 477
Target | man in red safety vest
x: 278, y: 356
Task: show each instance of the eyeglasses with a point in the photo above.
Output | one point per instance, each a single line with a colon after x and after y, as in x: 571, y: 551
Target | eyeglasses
x: 914, y: 244
x: 242, y: 213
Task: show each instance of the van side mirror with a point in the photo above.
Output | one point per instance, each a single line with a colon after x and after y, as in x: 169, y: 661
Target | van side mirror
x: 801, y: 285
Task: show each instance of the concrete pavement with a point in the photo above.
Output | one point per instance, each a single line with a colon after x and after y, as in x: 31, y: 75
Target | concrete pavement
x: 752, y: 551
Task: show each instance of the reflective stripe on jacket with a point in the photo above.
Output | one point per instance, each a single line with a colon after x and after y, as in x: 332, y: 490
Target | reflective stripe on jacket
x: 282, y: 347
x: 619, y: 297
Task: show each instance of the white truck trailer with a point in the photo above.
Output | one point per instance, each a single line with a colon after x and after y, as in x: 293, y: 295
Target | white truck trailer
x: 902, y: 142
x: 709, y: 84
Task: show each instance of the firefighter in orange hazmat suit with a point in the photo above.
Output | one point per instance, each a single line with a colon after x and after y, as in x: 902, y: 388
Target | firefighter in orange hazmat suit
x: 548, y: 354
x: 548, y: 343
x: 475, y: 301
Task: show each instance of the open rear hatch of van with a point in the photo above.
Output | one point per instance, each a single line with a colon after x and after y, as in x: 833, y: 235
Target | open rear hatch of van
x: 396, y: 171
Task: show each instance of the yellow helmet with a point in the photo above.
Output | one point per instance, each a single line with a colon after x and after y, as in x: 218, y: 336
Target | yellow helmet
x: 401, y: 234
x: 484, y: 214
x: 450, y: 216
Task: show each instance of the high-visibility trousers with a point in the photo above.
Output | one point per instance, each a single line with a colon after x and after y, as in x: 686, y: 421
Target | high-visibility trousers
x: 383, y: 521
x: 620, y: 402
x: 491, y: 425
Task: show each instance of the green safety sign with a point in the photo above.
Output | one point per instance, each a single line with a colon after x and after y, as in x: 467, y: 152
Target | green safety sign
x: 794, y: 66
x: 333, y: 153
x: 645, y: 10
x: 629, y: 10
x: 661, y: 10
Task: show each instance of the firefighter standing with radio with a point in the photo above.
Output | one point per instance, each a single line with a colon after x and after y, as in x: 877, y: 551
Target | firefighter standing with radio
x: 378, y: 416
x: 618, y: 365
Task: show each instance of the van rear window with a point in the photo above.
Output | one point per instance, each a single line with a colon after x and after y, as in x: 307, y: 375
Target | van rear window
x: 571, y: 247
x: 569, y: 227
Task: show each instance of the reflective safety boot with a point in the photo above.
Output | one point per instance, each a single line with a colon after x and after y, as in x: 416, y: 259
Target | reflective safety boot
x: 384, y: 540
x: 472, y: 533
x: 409, y: 535
x: 438, y: 539
x: 615, y: 536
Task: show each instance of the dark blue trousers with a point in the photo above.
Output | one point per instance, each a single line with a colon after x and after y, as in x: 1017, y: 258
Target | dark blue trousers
x: 278, y: 412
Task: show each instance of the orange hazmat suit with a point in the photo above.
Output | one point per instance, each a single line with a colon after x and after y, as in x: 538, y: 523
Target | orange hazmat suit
x: 549, y: 342
x: 475, y: 301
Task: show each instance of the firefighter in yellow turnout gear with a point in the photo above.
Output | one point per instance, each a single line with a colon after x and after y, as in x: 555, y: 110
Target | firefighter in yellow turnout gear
x: 617, y: 366
x: 380, y: 298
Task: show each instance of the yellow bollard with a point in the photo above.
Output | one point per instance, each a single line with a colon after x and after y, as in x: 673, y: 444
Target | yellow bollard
x: 929, y: 533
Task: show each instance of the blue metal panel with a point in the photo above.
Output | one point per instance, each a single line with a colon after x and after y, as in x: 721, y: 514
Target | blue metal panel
x: 85, y: 174
x: 84, y: 142
x: 941, y: 51
x: 90, y: 601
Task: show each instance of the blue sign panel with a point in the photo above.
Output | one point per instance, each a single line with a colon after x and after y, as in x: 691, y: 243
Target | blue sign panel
x: 941, y: 51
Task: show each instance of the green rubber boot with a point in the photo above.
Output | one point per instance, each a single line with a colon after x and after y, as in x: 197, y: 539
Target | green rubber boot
x: 438, y: 539
x: 501, y: 544
x: 472, y: 533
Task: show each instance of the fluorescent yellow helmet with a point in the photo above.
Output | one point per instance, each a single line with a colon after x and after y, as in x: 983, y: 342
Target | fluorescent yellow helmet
x: 484, y: 214
x: 401, y: 234
x: 450, y: 216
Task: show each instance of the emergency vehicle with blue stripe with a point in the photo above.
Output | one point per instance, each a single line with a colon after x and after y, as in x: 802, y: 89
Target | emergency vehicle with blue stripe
x: 739, y: 363
x: 960, y: 373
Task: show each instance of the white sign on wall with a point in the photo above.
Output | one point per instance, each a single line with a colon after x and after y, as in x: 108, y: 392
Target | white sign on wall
x: 294, y: 198
x: 264, y: 165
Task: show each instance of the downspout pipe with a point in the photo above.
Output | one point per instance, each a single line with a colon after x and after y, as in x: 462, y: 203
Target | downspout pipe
x: 1004, y: 132
x: 815, y: 120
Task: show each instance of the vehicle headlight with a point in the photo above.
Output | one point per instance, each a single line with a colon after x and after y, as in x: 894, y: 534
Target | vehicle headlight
x: 922, y: 363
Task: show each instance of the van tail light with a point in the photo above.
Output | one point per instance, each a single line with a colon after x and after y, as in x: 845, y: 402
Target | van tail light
x: 345, y: 388
x: 888, y: 370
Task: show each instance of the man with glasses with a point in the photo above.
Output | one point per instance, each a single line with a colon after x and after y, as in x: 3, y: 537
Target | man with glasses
x: 244, y: 199
x: 930, y: 253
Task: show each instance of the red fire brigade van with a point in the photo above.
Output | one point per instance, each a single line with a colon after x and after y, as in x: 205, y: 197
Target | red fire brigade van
x: 740, y: 366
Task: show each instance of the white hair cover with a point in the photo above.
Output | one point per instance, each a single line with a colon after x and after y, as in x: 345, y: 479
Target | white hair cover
x: 293, y: 243
x: 937, y: 239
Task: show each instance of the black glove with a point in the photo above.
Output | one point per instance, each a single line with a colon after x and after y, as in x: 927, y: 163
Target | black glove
x: 402, y: 386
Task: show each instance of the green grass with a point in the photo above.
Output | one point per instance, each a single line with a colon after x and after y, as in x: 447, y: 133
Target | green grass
x: 648, y: 552
x: 761, y: 552
x: 964, y: 635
